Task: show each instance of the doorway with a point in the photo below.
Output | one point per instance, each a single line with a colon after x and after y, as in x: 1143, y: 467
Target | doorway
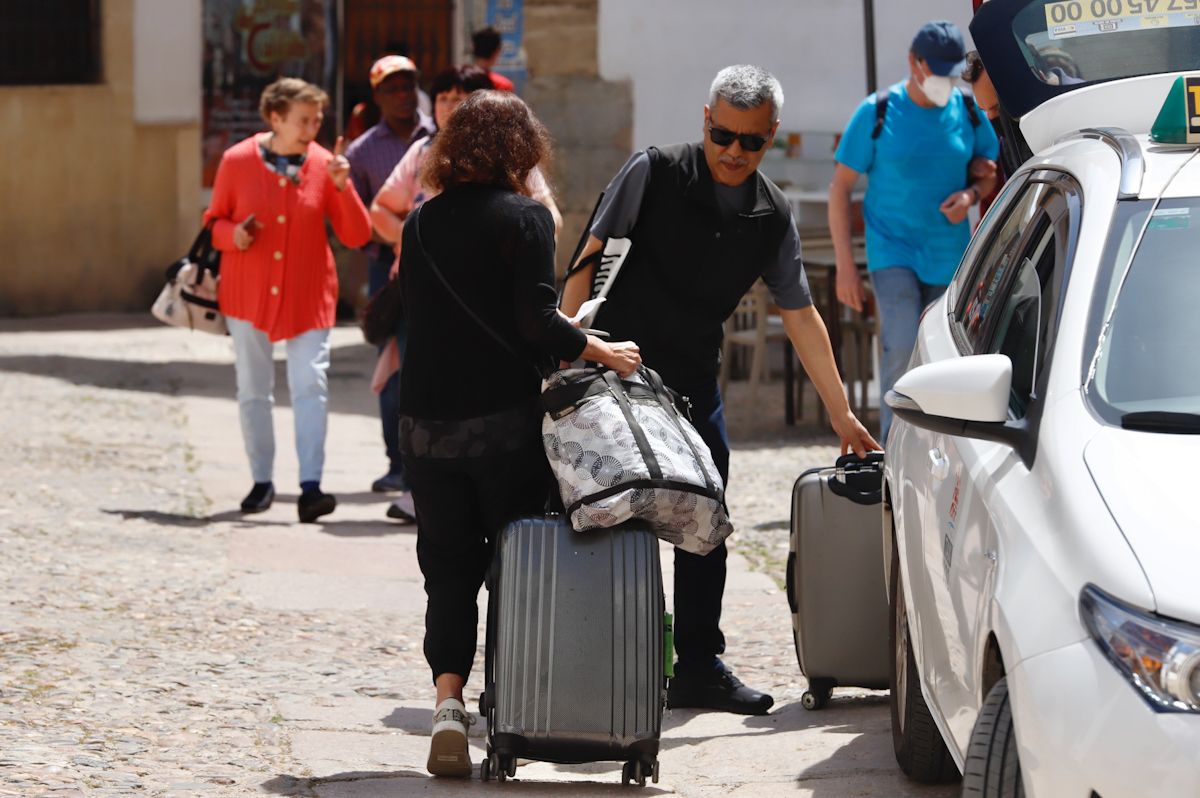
x: 423, y: 30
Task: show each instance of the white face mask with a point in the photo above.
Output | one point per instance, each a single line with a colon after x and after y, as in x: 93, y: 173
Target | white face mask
x: 938, y: 89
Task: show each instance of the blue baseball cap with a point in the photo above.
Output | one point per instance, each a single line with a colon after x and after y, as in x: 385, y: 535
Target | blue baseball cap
x: 940, y: 45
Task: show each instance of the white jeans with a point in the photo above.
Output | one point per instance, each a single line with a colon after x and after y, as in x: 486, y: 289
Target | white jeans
x: 308, y: 384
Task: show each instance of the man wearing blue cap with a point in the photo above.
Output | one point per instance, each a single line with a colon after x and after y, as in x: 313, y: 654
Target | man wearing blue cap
x: 928, y: 159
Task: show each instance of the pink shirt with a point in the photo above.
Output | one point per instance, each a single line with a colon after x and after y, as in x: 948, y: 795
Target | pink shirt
x: 403, y: 191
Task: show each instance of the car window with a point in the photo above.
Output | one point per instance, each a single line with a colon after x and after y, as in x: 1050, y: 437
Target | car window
x: 993, y: 269
x: 1147, y: 359
x: 981, y: 239
x: 1022, y: 326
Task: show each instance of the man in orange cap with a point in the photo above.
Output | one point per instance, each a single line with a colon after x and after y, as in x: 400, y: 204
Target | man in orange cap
x: 373, y: 156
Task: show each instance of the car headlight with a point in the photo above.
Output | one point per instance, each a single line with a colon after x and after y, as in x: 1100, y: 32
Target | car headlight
x: 1161, y: 658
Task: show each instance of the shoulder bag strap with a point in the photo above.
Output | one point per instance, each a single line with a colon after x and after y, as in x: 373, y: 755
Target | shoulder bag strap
x: 664, y: 399
x: 639, y: 435
x: 483, y: 325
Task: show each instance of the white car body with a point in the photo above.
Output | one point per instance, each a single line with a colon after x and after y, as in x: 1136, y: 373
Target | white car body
x: 995, y: 545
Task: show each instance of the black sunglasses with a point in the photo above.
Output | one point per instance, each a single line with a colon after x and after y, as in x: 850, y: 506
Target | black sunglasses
x: 723, y: 138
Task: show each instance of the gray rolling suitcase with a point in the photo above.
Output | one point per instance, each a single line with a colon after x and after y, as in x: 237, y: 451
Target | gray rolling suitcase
x: 574, y: 667
x: 835, y: 583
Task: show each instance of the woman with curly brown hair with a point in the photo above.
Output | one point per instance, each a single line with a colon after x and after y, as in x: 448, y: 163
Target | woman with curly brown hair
x: 479, y: 253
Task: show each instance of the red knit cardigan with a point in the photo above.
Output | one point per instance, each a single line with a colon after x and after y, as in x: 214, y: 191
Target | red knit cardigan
x: 286, y: 283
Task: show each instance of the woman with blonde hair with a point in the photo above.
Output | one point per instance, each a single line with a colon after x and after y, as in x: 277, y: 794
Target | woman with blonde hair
x: 272, y: 196
x: 479, y: 253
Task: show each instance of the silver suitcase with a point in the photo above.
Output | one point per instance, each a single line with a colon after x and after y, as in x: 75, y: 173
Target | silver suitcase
x: 574, y: 658
x: 835, y: 583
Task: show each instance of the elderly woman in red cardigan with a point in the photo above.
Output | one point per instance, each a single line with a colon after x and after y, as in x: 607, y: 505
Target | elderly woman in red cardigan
x: 272, y: 195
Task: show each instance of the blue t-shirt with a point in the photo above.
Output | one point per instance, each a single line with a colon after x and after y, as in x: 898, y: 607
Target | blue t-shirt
x: 919, y: 159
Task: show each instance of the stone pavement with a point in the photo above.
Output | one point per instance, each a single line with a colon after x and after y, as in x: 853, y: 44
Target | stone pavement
x: 155, y: 642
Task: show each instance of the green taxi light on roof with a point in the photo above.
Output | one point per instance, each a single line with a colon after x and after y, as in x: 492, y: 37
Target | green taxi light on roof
x: 1179, y: 119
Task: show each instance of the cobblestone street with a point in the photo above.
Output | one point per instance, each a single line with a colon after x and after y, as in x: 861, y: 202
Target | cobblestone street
x: 155, y: 642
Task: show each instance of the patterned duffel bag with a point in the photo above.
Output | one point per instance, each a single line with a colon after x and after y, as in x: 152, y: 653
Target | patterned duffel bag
x: 621, y: 450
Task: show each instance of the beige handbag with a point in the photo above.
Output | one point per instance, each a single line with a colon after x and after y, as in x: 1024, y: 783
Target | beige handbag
x: 189, y: 299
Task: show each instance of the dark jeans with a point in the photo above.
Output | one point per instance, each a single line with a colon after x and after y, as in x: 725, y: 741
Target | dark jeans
x: 700, y: 580
x: 462, y: 503
x: 389, y: 397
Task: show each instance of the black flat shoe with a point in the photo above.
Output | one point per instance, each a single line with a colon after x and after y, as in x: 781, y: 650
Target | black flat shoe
x: 390, y: 483
x: 716, y: 689
x: 259, y: 498
x: 313, y: 504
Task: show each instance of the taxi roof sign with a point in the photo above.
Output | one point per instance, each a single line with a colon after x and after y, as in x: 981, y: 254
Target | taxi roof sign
x: 1179, y: 119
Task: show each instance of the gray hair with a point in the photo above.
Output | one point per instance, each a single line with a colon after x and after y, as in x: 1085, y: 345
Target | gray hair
x: 745, y: 86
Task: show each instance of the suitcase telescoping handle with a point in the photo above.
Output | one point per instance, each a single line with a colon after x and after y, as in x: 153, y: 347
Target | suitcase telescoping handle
x: 859, y: 479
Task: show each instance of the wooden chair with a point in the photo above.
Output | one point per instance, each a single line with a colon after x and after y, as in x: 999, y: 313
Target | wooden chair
x: 754, y: 327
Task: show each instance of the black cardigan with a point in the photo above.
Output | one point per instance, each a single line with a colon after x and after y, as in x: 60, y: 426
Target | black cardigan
x: 496, y: 248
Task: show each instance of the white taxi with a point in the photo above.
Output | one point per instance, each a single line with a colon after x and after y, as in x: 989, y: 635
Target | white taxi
x: 1039, y: 516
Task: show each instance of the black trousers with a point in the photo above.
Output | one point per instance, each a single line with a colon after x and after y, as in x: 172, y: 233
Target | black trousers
x: 700, y: 580
x: 462, y: 503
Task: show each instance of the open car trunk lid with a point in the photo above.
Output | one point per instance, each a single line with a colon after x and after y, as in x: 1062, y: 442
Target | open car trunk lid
x: 1047, y: 59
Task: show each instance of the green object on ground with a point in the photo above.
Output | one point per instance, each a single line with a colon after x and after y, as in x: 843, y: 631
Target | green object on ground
x: 668, y: 645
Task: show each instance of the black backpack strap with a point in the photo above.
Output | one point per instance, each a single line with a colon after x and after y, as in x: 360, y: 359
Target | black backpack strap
x: 881, y: 104
x: 972, y: 106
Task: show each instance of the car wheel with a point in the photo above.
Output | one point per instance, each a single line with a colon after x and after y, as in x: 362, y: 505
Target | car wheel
x: 920, y: 750
x: 993, y: 768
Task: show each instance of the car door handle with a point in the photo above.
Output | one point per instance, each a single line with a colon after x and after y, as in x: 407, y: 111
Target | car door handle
x: 939, y: 466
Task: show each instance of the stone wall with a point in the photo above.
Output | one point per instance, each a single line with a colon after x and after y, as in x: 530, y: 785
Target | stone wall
x: 93, y: 207
x: 590, y: 119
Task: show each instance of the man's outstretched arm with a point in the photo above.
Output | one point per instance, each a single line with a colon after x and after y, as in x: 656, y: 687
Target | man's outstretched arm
x: 810, y: 339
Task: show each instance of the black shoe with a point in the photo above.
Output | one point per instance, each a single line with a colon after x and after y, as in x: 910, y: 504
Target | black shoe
x: 716, y: 689
x: 390, y: 483
x: 259, y: 498
x: 313, y: 504
x: 402, y: 509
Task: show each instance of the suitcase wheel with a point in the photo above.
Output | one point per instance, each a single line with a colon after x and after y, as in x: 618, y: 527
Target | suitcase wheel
x: 637, y: 770
x: 817, y: 695
x: 502, y: 768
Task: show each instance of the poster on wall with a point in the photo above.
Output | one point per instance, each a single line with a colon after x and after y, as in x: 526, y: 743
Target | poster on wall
x: 248, y: 44
x: 508, y: 18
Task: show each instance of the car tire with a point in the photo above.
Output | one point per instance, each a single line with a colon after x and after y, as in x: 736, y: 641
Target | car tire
x: 918, y: 745
x: 993, y: 768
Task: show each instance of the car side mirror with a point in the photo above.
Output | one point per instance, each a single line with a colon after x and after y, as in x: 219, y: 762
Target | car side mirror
x: 966, y: 396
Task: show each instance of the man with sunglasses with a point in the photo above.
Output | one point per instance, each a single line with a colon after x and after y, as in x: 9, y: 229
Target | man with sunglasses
x: 928, y: 156
x: 705, y: 224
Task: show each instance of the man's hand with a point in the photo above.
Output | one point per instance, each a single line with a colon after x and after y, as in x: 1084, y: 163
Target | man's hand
x: 982, y: 168
x: 956, y: 206
x: 854, y: 435
x: 849, y: 285
x: 339, y: 167
x: 850, y: 291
